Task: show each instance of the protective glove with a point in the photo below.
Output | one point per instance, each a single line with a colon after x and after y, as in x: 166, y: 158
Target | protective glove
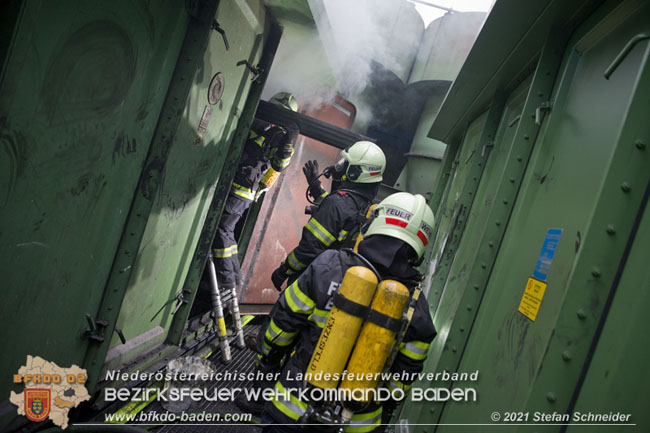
x: 279, y: 276
x: 316, y: 189
x: 311, y: 171
x: 317, y: 192
x: 291, y: 128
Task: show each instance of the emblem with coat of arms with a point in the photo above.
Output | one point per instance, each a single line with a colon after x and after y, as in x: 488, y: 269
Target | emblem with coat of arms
x: 37, y: 403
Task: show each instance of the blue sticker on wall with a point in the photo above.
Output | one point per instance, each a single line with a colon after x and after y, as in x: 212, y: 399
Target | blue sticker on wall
x: 547, y: 253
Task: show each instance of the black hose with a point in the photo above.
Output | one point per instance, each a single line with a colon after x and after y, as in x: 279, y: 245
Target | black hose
x: 310, y: 185
x: 372, y: 268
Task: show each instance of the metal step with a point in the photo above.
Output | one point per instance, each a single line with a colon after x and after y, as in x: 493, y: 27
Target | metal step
x: 242, y: 362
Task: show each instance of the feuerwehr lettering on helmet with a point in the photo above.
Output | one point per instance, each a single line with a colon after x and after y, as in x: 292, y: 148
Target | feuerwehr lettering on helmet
x: 398, y: 213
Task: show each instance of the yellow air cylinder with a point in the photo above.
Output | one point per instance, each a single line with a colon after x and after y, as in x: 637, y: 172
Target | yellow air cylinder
x: 341, y: 330
x: 374, y: 344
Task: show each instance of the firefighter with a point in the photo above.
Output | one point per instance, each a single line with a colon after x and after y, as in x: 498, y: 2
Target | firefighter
x: 336, y: 220
x: 267, y: 152
x: 394, y: 243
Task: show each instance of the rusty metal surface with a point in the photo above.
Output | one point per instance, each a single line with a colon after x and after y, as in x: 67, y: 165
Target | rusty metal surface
x: 282, y: 216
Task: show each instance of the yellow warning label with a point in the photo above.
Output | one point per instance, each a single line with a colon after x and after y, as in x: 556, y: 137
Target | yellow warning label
x: 532, y: 299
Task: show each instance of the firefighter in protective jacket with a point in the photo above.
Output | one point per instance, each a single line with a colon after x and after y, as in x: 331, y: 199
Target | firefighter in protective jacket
x: 267, y: 152
x: 394, y: 243
x: 339, y: 215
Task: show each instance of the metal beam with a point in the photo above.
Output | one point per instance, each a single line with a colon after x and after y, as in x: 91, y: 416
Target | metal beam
x: 310, y: 127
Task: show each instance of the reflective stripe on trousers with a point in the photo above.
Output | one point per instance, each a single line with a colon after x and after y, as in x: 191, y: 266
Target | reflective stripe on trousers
x: 222, y: 253
x: 242, y: 191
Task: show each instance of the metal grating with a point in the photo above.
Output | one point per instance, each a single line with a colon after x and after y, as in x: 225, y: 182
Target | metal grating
x: 242, y: 361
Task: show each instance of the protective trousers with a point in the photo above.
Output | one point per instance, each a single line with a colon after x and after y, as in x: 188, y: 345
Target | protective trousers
x: 226, y: 258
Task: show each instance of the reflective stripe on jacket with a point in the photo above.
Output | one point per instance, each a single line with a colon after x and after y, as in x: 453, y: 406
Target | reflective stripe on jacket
x: 334, y: 224
x: 267, y: 146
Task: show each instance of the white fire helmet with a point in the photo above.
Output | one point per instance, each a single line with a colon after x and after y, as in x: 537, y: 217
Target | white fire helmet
x: 406, y: 217
x: 286, y: 100
x: 363, y: 162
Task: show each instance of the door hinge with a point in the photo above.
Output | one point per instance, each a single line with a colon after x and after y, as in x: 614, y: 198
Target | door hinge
x: 94, y: 331
x: 179, y: 302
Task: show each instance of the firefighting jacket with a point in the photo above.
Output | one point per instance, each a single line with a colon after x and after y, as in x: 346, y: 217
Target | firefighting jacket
x: 297, y: 320
x: 334, y: 226
x: 267, y: 146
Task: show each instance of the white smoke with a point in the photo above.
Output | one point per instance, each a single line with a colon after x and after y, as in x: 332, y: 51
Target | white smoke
x: 300, y: 67
x: 337, y: 56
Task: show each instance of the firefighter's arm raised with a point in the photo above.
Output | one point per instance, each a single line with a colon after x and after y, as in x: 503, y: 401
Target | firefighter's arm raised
x: 283, y: 151
x: 281, y: 154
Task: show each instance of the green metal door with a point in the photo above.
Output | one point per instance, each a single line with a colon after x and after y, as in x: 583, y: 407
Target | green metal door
x: 452, y: 276
x: 451, y: 206
x: 82, y: 88
x: 188, y: 183
x: 457, y: 279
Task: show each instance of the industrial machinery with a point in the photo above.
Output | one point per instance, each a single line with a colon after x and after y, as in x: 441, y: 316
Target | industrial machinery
x: 121, y: 125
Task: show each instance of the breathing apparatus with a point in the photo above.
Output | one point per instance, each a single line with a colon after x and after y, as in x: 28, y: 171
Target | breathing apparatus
x: 369, y: 317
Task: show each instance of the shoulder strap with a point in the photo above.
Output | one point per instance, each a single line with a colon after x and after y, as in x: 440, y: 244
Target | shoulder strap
x: 362, y: 204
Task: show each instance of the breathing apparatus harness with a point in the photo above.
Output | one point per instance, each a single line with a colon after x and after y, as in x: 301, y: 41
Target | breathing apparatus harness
x: 335, y: 416
x: 337, y: 171
x: 380, y: 319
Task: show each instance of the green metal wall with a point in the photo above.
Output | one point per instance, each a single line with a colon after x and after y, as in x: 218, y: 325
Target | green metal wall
x: 82, y: 88
x: 618, y: 376
x: 110, y: 168
x: 452, y: 278
x: 582, y: 167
